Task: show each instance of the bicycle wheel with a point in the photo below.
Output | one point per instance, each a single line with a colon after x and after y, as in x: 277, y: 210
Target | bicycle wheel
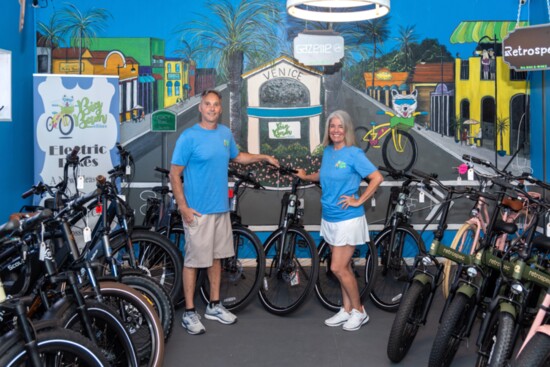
x: 497, y: 344
x: 464, y: 241
x: 139, y: 317
x: 241, y: 275
x: 451, y: 331
x: 407, y: 320
x: 66, y: 124
x: 395, y: 265
x: 155, y: 255
x: 327, y: 287
x: 49, y: 123
x: 361, y: 138
x: 286, y: 285
x: 156, y: 295
x: 536, y: 353
x: 56, y: 348
x: 399, y: 151
x: 108, y: 329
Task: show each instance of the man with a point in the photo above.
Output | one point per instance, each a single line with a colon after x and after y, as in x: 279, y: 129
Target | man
x: 202, y: 153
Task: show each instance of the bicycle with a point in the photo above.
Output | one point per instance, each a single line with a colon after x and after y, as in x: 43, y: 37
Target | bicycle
x: 397, y: 243
x: 62, y: 119
x: 292, y: 260
x: 403, y: 151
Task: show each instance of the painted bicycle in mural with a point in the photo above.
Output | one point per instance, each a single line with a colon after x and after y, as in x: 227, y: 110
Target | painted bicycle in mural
x: 399, y: 149
x: 64, y: 118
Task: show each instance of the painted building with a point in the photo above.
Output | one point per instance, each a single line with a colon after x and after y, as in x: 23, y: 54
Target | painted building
x: 176, y: 74
x: 284, y: 105
x: 150, y: 54
x: 491, y: 94
x: 435, y: 83
x: 385, y: 78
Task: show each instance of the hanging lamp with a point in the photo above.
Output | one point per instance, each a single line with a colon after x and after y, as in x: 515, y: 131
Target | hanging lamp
x: 337, y: 10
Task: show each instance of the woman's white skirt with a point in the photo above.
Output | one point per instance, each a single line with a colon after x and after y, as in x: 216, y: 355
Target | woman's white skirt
x: 353, y: 231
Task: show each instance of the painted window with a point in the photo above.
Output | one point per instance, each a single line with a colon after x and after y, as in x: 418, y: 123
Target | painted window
x: 177, y: 88
x: 169, y: 88
x: 178, y: 68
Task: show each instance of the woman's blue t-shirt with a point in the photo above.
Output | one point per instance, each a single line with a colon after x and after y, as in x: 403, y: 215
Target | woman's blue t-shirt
x: 205, y: 155
x: 341, y: 173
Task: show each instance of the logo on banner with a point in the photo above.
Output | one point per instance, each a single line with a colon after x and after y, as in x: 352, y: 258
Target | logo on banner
x: 90, y: 115
x: 284, y: 130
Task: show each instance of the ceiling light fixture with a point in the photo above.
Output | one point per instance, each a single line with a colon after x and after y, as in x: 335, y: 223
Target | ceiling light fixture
x: 337, y: 10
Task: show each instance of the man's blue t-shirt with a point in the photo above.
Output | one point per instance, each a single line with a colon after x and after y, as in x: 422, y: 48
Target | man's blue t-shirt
x: 341, y: 174
x: 205, y: 154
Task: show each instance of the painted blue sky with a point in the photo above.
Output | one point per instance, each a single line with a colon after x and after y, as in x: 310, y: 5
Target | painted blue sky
x: 432, y: 18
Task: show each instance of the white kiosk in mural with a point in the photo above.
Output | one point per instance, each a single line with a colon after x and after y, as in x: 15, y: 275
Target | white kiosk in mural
x: 284, y: 104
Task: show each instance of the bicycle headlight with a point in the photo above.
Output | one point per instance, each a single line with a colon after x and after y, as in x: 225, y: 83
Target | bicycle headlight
x: 517, y: 288
x: 426, y: 260
x: 472, y: 272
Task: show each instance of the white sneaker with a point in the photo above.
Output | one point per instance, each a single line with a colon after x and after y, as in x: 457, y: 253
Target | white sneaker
x: 340, y: 318
x: 219, y: 313
x: 191, y: 322
x: 356, y: 320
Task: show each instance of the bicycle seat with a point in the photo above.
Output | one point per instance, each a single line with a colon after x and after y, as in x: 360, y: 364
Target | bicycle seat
x: 163, y: 190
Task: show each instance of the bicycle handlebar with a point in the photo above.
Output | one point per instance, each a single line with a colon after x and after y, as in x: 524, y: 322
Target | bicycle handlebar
x: 248, y: 178
x: 164, y: 171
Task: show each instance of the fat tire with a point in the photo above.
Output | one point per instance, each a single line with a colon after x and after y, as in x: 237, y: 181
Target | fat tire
x: 407, y: 320
x: 536, y: 353
x: 155, y: 294
x: 386, y: 145
x: 327, y: 287
x: 495, y: 354
x: 391, y: 280
x: 276, y: 293
x: 115, y: 342
x: 156, y: 255
x: 56, y: 342
x: 242, y: 274
x: 451, y: 331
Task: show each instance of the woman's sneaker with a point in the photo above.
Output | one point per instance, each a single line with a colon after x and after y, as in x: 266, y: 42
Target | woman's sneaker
x: 191, y: 321
x: 219, y: 313
x: 340, y: 318
x: 356, y: 320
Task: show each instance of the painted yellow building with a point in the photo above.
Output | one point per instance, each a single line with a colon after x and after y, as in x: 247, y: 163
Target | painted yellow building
x: 176, y: 77
x: 487, y: 92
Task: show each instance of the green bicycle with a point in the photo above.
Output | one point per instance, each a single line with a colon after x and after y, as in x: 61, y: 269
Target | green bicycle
x: 399, y: 150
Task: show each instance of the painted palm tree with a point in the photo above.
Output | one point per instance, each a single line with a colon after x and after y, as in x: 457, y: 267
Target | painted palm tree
x: 82, y: 28
x: 50, y: 34
x: 501, y: 127
x: 407, y: 37
x: 234, y: 37
x: 373, y: 32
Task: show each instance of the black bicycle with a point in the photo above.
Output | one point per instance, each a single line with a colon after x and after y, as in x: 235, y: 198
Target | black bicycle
x: 292, y: 261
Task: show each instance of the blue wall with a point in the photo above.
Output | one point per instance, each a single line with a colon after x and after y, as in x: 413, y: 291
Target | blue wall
x: 540, y: 103
x: 16, y: 137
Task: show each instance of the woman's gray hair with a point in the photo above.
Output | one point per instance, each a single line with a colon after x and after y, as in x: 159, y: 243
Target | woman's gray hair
x: 345, y: 118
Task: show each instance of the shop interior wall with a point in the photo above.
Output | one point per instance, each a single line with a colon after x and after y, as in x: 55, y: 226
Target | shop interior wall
x: 16, y: 136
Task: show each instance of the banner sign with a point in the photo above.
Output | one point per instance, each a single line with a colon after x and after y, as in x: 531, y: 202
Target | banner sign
x: 163, y: 121
x: 528, y: 48
x: 319, y: 49
x: 284, y: 130
x: 75, y: 110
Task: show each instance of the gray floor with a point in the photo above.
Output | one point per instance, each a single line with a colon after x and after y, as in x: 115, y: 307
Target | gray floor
x: 301, y: 339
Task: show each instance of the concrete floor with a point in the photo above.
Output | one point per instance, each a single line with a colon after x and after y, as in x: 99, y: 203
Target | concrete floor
x: 301, y: 339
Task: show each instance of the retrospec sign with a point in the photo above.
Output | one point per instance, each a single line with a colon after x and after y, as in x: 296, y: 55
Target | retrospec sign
x: 320, y: 48
x: 528, y: 48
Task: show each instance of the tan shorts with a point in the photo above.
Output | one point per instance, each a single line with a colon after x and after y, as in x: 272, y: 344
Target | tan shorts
x: 207, y: 238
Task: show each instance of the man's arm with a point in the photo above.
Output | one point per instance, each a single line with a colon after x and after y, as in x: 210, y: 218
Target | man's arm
x: 187, y: 213
x: 247, y: 158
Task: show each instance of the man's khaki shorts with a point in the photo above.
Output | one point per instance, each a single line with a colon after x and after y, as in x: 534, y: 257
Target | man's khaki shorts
x: 207, y: 238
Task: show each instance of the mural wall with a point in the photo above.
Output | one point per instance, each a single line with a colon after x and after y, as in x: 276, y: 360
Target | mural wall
x: 430, y: 72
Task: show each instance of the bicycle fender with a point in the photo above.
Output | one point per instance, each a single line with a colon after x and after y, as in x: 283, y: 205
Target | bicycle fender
x: 8, y: 340
x: 423, y: 278
x: 467, y: 290
x: 509, y: 308
x: 52, y: 314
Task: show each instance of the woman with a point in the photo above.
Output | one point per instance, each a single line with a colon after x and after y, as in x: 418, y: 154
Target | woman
x: 343, y: 223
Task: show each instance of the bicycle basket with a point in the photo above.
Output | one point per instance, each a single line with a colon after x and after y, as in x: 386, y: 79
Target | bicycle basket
x: 402, y: 123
